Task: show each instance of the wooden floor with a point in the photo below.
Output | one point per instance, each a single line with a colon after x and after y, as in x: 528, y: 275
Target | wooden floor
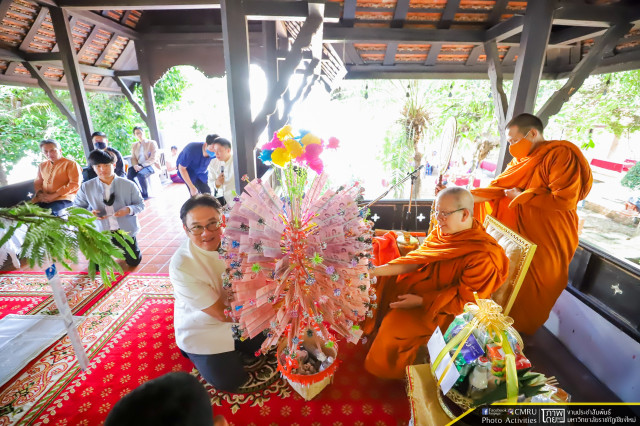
x: 160, y: 233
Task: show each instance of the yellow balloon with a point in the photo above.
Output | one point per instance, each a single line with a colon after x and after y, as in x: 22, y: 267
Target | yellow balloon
x: 285, y: 133
x: 309, y: 139
x: 280, y: 157
x: 293, y: 147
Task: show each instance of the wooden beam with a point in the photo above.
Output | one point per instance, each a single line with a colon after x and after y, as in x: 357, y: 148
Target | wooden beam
x: 288, y: 11
x: 33, y: 30
x: 138, y: 4
x: 44, y: 85
x: 400, y: 13
x: 390, y: 54
x: 498, y: 10
x: 583, y: 70
x: 432, y: 56
x: 127, y: 73
x: 11, y: 68
x: 349, y: 12
x: 510, y: 56
x: 575, y: 34
x: 505, y: 29
x: 473, y: 56
x: 595, y: 16
x: 147, y: 93
x: 127, y: 93
x: 497, y: 91
x: 236, y: 59
x: 5, y: 4
x: 316, y: 10
x: 538, y: 20
x: 105, y: 23
x: 28, y: 81
x: 448, y: 14
x: 401, y: 35
x: 73, y: 76
x: 125, y: 17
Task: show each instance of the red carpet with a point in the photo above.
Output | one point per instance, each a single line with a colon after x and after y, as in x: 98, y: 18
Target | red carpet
x: 26, y: 293
x: 129, y: 337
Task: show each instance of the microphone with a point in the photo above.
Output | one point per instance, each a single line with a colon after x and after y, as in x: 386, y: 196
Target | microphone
x: 221, y: 170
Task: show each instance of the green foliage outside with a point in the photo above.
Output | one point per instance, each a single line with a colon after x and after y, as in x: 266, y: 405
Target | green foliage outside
x: 52, y: 239
x: 27, y: 116
x: 632, y: 178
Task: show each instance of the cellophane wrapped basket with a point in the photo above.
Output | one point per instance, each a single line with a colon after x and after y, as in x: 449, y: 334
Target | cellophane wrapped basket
x: 488, y: 354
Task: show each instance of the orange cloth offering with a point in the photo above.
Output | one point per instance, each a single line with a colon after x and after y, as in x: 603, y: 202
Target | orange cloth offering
x: 453, y: 268
x: 554, y: 177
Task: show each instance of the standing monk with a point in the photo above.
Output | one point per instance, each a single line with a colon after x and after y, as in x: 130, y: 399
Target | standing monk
x: 537, y: 197
x: 433, y: 284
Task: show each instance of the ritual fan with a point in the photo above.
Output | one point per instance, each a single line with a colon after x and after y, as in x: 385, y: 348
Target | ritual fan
x: 448, y: 139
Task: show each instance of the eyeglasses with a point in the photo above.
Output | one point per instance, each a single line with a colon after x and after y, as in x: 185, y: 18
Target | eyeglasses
x: 445, y: 215
x: 212, y: 226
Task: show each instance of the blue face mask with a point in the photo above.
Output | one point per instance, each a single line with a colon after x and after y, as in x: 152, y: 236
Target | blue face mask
x: 211, y: 153
x: 100, y: 145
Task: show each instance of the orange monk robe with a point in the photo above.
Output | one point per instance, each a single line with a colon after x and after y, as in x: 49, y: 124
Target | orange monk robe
x: 453, y: 268
x: 554, y: 178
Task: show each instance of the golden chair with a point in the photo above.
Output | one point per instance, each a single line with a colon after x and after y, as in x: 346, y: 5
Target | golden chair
x: 520, y: 252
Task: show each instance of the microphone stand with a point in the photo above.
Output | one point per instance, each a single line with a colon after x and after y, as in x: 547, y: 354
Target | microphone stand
x: 413, y: 175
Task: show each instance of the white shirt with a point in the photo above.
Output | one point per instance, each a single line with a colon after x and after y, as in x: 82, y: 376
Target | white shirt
x: 113, y: 221
x: 196, y: 275
x: 229, y: 186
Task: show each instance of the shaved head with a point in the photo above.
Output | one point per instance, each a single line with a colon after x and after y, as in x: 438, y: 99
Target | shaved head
x: 454, y: 210
x: 460, y: 196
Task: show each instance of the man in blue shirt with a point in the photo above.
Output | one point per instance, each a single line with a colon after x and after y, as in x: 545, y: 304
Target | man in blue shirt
x: 192, y: 165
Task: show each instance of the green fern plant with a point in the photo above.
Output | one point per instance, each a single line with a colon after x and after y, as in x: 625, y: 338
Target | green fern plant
x: 56, y: 239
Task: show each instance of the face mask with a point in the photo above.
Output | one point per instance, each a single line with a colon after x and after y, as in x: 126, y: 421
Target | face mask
x: 521, y: 148
x: 100, y: 145
x: 211, y: 153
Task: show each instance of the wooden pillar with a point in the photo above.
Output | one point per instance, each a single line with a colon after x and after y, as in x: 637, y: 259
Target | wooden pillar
x: 73, y: 76
x: 497, y: 92
x: 538, y: 21
x: 147, y: 92
x: 236, y: 59
x: 270, y: 40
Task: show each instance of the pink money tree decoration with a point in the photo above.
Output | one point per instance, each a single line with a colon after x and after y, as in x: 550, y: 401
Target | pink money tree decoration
x: 298, y: 264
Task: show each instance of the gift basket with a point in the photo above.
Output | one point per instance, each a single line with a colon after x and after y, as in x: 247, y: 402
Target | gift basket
x: 487, y: 353
x: 298, y: 263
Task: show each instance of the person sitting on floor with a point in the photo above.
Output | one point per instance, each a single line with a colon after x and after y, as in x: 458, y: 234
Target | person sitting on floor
x: 172, y: 165
x: 100, y: 141
x: 172, y: 400
x: 430, y: 286
x: 203, y: 331
x: 58, y: 179
x: 193, y: 162
x: 143, y: 157
x: 115, y: 201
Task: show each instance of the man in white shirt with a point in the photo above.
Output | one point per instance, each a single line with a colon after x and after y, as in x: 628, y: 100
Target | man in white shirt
x: 203, y: 331
x: 221, y: 173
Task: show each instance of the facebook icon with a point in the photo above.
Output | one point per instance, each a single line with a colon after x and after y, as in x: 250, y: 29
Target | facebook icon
x: 485, y: 411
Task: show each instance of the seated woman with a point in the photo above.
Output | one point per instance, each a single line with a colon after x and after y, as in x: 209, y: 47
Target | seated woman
x: 143, y: 157
x: 115, y: 201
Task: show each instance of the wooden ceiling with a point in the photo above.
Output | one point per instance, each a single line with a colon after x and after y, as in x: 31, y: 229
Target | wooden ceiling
x: 373, y: 38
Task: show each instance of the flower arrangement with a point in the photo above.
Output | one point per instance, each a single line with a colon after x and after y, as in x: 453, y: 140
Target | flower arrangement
x: 298, y: 264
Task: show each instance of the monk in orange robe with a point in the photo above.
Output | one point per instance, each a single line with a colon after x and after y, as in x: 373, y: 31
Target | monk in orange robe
x: 537, y: 197
x: 433, y: 284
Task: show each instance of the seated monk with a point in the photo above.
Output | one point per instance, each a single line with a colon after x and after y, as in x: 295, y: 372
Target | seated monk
x: 433, y: 284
